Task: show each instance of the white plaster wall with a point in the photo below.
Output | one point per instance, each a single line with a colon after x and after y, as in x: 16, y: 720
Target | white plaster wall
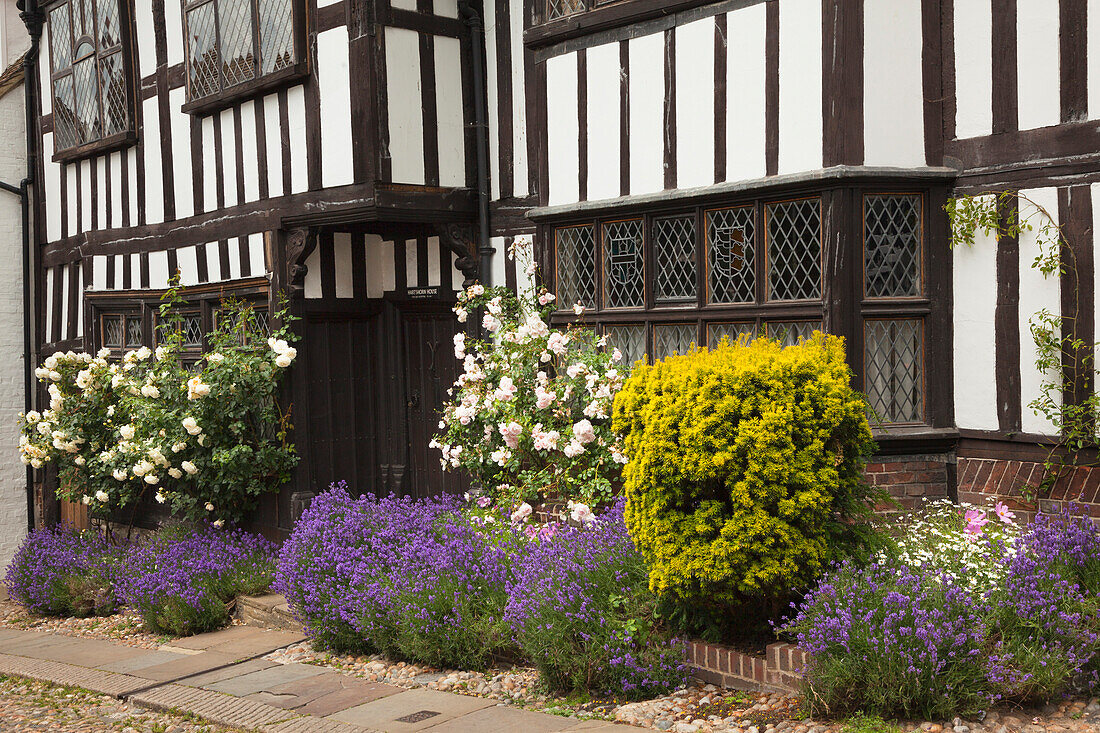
x: 604, y: 122
x: 800, y: 123
x: 519, y: 101
x: 405, y: 108
x: 1037, y: 66
x: 13, y: 502
x: 745, y: 82
x: 1037, y: 293
x: 893, y: 86
x: 448, y: 100
x: 562, y: 134
x: 647, y: 98
x: 973, y: 68
x: 974, y: 270
x: 695, y: 104
x: 335, y: 101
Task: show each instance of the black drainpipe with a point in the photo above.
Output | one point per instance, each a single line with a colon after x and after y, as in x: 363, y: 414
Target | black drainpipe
x: 33, y: 18
x: 481, y: 127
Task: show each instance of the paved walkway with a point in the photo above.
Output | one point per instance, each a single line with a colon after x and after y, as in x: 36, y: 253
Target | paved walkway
x: 221, y: 676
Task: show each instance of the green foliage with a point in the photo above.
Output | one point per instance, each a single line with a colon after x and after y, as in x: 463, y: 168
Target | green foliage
x: 860, y: 723
x: 746, y: 468
x: 1061, y: 356
x: 207, y: 440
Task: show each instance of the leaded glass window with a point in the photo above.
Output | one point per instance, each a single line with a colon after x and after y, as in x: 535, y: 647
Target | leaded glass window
x: 676, y: 338
x: 623, y: 264
x: 731, y: 235
x: 732, y: 331
x: 794, y: 249
x: 231, y: 42
x: 790, y: 333
x: 576, y: 266
x: 630, y: 340
x: 674, y: 253
x: 894, y: 369
x: 134, y: 335
x: 561, y: 8
x: 91, y: 100
x: 892, y: 232
x: 120, y: 331
x: 111, y: 337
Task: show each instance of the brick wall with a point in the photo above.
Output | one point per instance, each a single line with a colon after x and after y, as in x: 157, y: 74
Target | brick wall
x: 13, y: 167
x: 911, y: 478
x: 985, y: 480
x: 778, y: 669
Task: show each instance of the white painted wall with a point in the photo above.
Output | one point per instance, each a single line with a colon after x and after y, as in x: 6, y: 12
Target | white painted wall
x: 745, y: 82
x: 563, y: 125
x: 13, y: 162
x: 405, y: 108
x: 647, y: 98
x: 973, y: 68
x: 1037, y: 64
x: 451, y: 132
x: 800, y: 120
x: 893, y: 87
x: 604, y: 121
x: 695, y: 104
x: 1037, y: 293
x: 974, y: 270
x: 335, y: 99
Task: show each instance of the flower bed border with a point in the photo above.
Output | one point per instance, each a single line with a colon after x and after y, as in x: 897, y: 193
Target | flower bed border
x: 778, y: 670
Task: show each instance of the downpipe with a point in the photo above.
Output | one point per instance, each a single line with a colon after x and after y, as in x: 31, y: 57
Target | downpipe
x: 473, y: 21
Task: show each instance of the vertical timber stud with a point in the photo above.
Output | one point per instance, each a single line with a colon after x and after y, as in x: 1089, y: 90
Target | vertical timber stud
x: 1077, y: 282
x: 1005, y: 87
x: 839, y: 272
x: 938, y: 334
x: 842, y: 81
x: 1073, y: 59
x: 1007, y: 323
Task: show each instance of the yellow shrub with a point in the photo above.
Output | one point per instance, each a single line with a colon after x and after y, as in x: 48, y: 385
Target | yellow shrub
x: 746, y: 467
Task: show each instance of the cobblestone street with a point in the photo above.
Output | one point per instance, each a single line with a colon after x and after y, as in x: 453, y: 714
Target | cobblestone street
x: 26, y: 705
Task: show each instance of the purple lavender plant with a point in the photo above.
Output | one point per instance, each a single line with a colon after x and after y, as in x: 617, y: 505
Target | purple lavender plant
x: 582, y: 613
x: 59, y: 571
x: 180, y: 582
x: 890, y: 640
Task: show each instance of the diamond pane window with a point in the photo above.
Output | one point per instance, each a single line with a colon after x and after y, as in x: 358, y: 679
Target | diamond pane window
x: 91, y: 101
x: 111, y: 336
x: 794, y: 250
x: 192, y: 331
x: 230, y: 42
x: 732, y: 331
x: 259, y: 325
x: 561, y: 8
x: 894, y: 370
x: 623, y: 264
x: 731, y: 236
x: 673, y: 339
x: 790, y: 333
x: 674, y: 252
x: 630, y: 340
x: 892, y: 245
x: 133, y: 332
x: 576, y: 266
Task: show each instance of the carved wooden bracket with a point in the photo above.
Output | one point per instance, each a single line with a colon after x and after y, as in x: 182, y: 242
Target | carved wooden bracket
x: 460, y: 239
x: 299, y: 245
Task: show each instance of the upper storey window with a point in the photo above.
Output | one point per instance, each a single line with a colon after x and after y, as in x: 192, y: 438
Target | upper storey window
x: 91, y: 89
x: 235, y: 47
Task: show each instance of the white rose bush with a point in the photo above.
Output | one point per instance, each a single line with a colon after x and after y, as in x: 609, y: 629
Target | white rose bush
x: 205, y: 441
x: 529, y: 417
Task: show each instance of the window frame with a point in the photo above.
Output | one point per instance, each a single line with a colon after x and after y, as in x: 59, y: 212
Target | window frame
x: 228, y: 96
x: 843, y: 306
x: 115, y: 141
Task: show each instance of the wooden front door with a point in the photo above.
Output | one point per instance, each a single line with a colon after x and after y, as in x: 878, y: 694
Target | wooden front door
x: 431, y: 370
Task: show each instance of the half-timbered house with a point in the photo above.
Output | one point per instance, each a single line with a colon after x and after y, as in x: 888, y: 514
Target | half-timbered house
x: 687, y: 169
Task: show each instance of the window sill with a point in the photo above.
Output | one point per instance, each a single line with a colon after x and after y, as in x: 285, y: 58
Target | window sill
x: 242, y: 92
x: 913, y: 438
x: 106, y: 145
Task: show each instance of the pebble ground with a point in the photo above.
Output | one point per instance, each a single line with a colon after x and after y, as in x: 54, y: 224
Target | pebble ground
x: 29, y: 706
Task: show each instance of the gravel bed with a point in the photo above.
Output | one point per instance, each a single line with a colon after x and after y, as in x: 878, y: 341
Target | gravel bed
x: 124, y: 627
x: 698, y: 708
x: 26, y: 705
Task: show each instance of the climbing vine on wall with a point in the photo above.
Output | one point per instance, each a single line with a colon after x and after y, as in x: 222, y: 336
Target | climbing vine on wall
x: 1065, y: 361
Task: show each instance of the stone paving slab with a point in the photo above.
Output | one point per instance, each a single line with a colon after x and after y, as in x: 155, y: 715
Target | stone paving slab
x: 217, y: 675
x: 245, y: 641
x: 91, y: 652
x: 600, y: 726
x: 213, y: 706
x: 315, y: 725
x: 383, y: 714
x: 105, y: 683
x: 175, y: 670
x: 504, y: 719
x: 134, y: 665
x: 325, y: 693
x: 33, y: 642
x: 265, y: 679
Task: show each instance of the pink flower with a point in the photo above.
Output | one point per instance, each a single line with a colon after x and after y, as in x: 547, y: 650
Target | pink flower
x: 584, y: 432
x: 521, y: 513
x: 557, y: 342
x: 573, y: 449
x: 511, y: 433
x: 1003, y: 513
x: 543, y: 397
x: 546, y: 298
x: 582, y: 513
x: 547, y: 532
x: 975, y: 522
x: 506, y: 390
x: 531, y: 531
x: 484, y: 501
x: 547, y: 440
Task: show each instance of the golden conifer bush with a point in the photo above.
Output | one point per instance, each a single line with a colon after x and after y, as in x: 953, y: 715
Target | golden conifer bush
x: 745, y: 474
